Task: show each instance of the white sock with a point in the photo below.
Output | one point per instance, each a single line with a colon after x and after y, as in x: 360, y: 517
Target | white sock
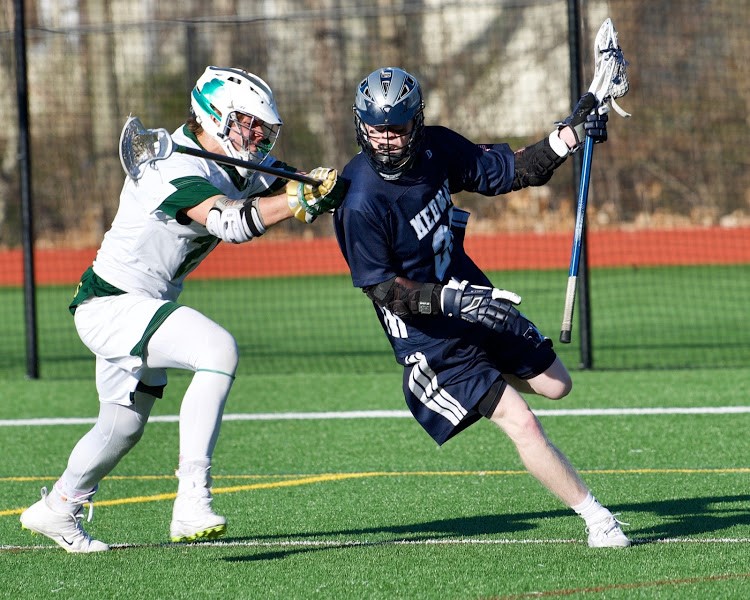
x: 193, y: 474
x: 66, y: 500
x: 591, y: 511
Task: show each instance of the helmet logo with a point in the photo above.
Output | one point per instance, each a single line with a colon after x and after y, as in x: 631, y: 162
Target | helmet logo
x: 385, y: 81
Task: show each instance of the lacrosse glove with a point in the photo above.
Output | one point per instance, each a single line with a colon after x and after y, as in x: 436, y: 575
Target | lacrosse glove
x: 490, y: 307
x: 596, y: 127
x: 307, y: 202
x: 577, y: 119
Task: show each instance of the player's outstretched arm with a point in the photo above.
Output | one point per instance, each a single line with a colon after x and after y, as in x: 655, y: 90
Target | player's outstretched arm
x: 535, y: 164
x: 238, y: 221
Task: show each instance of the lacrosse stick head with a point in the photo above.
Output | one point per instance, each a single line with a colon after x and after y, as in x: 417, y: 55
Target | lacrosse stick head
x: 140, y: 147
x: 610, y: 68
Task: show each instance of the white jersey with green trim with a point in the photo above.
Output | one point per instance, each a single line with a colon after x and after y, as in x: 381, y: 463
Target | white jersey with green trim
x: 150, y: 249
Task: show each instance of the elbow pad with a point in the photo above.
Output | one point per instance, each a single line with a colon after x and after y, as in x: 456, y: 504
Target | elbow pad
x: 235, y: 221
x: 536, y: 163
x: 405, y: 298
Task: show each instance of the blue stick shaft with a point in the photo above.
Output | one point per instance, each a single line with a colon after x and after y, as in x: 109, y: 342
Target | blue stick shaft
x: 583, y: 195
x: 575, y: 255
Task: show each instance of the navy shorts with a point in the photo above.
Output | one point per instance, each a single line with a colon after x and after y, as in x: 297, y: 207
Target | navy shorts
x: 452, y: 383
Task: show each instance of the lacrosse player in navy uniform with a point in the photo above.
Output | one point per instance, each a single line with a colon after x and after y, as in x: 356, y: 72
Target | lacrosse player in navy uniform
x: 466, y: 350
x: 126, y: 309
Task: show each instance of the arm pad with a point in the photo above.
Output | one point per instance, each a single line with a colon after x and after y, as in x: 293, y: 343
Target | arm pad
x: 486, y: 306
x: 406, y: 298
x: 235, y: 221
x: 536, y: 163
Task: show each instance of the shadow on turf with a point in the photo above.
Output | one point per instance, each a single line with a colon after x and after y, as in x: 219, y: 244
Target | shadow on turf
x: 692, y: 517
x: 686, y: 518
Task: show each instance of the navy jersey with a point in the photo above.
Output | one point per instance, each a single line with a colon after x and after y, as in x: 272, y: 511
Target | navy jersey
x: 409, y: 227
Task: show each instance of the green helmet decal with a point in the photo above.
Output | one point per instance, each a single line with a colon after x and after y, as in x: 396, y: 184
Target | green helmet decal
x: 203, y: 96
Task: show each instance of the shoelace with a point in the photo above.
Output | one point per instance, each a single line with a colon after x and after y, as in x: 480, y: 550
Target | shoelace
x: 81, y: 501
x: 614, y: 524
x: 85, y: 500
x: 89, y: 514
x: 610, y: 525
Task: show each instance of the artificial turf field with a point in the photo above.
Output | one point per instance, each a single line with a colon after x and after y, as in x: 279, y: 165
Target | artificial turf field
x: 328, y: 498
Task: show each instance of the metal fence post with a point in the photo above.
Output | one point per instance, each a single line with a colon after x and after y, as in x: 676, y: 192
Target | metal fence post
x: 24, y: 163
x: 576, y: 87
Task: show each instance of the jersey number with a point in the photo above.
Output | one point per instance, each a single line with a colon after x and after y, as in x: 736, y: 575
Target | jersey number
x: 442, y: 246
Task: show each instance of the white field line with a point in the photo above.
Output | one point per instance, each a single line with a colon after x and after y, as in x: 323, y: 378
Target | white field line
x: 398, y: 414
x: 370, y: 543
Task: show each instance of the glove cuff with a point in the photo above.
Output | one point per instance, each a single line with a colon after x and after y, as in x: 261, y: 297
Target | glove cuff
x: 560, y: 148
x: 295, y: 199
x: 450, y: 297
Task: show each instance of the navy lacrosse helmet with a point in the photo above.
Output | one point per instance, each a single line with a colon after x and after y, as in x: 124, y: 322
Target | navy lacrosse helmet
x: 389, y: 97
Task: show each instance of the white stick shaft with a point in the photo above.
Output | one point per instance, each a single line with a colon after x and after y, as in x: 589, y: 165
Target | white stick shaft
x: 570, y: 299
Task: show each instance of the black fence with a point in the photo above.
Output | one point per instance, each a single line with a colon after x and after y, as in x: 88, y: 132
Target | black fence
x: 669, y: 210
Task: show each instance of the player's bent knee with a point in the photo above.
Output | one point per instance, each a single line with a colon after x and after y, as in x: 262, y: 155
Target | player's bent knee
x: 528, y: 426
x: 222, y: 354
x: 559, y: 389
x: 554, y: 383
x: 522, y: 427
x: 120, y: 425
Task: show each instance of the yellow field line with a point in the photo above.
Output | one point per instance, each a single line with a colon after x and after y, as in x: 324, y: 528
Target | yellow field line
x: 297, y: 480
x: 327, y: 476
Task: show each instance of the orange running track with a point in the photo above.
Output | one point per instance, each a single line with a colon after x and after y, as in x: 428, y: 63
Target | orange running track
x: 273, y: 258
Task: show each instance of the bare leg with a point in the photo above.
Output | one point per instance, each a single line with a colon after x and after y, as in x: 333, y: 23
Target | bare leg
x: 540, y: 457
x: 554, y: 383
x: 551, y: 467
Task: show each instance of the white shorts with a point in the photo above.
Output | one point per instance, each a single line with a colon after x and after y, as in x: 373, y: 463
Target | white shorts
x: 111, y: 327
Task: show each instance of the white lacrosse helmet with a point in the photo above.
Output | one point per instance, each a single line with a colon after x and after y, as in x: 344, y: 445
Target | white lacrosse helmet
x: 220, y: 94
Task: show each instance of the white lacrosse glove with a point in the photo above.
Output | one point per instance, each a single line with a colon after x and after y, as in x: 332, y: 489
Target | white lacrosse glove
x: 307, y: 202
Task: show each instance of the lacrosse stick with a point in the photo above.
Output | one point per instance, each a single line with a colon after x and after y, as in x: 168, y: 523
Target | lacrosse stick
x: 610, y: 82
x: 140, y: 147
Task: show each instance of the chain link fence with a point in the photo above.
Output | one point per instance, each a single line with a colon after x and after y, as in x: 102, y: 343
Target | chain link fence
x: 496, y: 70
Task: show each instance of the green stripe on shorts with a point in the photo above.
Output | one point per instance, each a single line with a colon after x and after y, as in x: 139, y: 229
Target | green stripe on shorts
x: 154, y: 324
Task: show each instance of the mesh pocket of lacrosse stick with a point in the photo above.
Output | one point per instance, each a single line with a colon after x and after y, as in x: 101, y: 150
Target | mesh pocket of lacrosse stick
x: 610, y: 68
x: 140, y: 147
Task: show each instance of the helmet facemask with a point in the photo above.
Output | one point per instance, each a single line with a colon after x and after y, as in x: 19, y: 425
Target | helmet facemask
x: 254, y: 133
x: 390, y: 161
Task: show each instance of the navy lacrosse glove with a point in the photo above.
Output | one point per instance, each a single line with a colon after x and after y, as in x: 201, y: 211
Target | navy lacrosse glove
x: 490, y: 307
x: 596, y: 127
x: 577, y: 119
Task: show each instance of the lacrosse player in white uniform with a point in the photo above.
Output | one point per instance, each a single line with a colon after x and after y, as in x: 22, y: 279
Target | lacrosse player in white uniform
x: 126, y: 310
